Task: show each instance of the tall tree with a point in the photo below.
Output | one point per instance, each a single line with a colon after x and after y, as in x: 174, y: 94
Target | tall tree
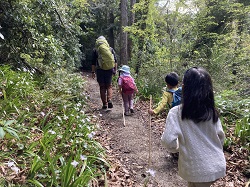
x: 123, y: 34
x: 111, y: 29
x: 131, y: 21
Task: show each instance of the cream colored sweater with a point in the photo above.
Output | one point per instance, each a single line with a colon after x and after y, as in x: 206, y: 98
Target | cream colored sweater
x: 200, y: 147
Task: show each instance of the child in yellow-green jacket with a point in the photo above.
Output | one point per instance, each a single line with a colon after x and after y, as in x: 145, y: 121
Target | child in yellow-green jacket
x: 172, y: 80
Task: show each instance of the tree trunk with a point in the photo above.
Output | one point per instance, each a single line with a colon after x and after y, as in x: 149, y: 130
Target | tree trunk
x: 123, y: 36
x: 131, y: 21
x: 111, y: 29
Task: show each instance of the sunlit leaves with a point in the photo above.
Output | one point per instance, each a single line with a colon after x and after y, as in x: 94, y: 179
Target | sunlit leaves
x: 80, y: 3
x: 31, y: 23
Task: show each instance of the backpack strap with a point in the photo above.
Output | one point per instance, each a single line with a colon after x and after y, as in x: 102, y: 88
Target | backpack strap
x: 171, y: 91
x: 179, y: 90
x: 176, y: 93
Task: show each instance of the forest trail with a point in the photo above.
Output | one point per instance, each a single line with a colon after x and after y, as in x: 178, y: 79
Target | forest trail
x: 132, y: 153
x: 128, y: 146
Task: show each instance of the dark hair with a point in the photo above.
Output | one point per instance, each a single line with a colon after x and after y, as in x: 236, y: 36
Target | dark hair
x: 198, y: 96
x: 172, y: 79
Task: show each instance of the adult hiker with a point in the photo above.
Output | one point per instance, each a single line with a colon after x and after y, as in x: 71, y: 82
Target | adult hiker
x: 194, y: 130
x: 104, y: 65
x: 172, y: 80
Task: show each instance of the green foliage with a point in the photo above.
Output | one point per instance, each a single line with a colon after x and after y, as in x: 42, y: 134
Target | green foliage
x: 52, y: 139
x: 214, y: 37
x: 102, y: 18
x: 41, y: 35
x: 6, y: 130
x: 219, y: 36
x: 151, y: 85
x: 15, y: 87
x: 242, y: 130
x: 158, y: 42
x: 235, y: 113
x: 41, y: 103
x: 148, y: 49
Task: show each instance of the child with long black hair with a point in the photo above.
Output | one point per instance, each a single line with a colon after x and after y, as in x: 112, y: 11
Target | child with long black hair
x: 194, y: 130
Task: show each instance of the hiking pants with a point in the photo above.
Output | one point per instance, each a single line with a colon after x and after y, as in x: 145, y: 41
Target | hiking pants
x: 128, y: 101
x: 104, y: 79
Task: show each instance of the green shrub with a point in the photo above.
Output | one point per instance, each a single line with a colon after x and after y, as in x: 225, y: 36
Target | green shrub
x: 44, y: 131
x: 235, y: 113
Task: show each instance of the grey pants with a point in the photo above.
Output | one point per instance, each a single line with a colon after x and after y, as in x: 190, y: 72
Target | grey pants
x: 128, y: 101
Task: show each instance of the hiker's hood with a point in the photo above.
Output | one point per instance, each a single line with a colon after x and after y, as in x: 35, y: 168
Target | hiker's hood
x: 125, y: 69
x: 101, y: 38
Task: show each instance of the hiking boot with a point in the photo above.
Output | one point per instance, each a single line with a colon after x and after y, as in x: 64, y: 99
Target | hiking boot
x: 127, y: 114
x: 132, y: 111
x: 104, y: 107
x: 110, y: 105
x: 175, y: 156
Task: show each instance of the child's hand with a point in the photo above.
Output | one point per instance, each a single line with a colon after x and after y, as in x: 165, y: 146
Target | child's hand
x: 151, y: 112
x: 114, y: 71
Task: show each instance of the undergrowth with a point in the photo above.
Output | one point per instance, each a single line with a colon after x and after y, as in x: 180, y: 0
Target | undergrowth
x: 234, y: 111
x: 46, y: 137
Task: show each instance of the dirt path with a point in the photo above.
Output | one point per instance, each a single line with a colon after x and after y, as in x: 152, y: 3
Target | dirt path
x: 131, y: 152
x: 128, y: 146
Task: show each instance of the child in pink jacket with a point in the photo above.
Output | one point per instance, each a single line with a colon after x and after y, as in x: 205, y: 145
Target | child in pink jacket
x: 127, y: 89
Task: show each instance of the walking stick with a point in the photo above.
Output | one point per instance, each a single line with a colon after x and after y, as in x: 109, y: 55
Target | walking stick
x: 123, y: 114
x: 150, y: 171
x: 149, y: 159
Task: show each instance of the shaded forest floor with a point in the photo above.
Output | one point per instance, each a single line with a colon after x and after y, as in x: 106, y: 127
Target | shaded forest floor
x: 135, y: 152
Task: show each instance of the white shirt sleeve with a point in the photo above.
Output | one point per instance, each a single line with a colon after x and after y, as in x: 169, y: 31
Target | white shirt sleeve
x: 170, y: 135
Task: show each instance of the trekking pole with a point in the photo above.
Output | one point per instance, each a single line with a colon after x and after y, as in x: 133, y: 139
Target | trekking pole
x: 150, y: 171
x: 123, y: 114
x: 149, y: 159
